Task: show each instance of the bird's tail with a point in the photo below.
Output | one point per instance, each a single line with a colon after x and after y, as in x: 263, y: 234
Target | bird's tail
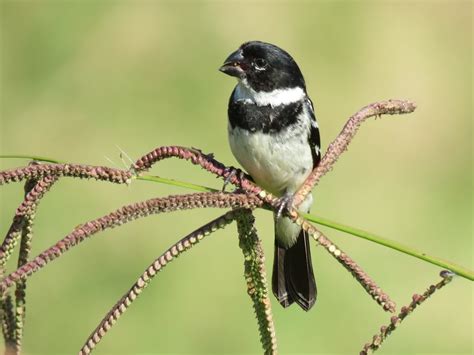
x: 293, y: 278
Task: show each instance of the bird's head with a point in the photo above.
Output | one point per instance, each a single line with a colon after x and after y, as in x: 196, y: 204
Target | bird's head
x: 263, y: 67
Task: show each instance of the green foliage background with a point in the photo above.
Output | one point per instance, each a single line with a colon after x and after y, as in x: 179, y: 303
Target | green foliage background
x: 80, y: 77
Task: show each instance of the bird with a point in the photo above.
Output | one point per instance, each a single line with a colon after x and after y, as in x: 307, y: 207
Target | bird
x: 274, y: 135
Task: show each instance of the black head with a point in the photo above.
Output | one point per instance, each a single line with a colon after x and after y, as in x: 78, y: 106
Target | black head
x: 264, y: 67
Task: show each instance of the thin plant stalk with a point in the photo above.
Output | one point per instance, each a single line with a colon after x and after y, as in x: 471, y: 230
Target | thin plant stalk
x: 369, y: 285
x: 34, y: 191
x: 150, y: 272
x: 20, y: 227
x: 125, y: 215
x: 395, y: 321
x: 340, y: 144
x: 8, y: 324
x: 255, y: 276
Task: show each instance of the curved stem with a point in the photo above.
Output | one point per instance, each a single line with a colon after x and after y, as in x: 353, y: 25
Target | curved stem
x: 377, y: 294
x: 340, y: 144
x: 124, y: 215
x: 395, y: 321
x: 459, y: 270
x: 151, y: 271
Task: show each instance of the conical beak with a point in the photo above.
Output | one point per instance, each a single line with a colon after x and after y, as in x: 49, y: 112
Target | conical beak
x: 233, y: 65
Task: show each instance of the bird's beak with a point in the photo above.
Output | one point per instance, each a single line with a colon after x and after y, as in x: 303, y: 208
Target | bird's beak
x: 234, y: 65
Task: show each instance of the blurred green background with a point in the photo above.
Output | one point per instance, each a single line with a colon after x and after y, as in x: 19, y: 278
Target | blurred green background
x: 79, y: 78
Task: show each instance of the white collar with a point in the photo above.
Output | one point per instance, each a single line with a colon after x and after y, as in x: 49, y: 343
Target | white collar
x: 277, y: 97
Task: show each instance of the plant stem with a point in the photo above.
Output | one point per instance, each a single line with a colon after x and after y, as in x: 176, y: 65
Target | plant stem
x: 256, y: 278
x: 178, y: 183
x: 459, y: 270
x: 31, y: 157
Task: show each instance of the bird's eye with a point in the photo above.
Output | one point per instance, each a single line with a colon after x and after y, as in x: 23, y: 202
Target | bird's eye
x: 260, y: 64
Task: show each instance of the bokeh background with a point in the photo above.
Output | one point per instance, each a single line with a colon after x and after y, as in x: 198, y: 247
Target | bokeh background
x: 79, y: 78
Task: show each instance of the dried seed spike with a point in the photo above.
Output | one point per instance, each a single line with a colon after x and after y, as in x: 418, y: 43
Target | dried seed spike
x: 34, y: 191
x: 40, y: 171
x: 124, y: 215
x: 22, y: 227
x: 340, y: 144
x: 206, y: 162
x: 122, y: 305
x: 395, y: 321
x: 360, y: 275
x: 8, y: 323
x: 255, y: 277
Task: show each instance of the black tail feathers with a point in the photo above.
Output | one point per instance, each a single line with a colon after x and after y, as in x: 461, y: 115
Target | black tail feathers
x: 293, y: 278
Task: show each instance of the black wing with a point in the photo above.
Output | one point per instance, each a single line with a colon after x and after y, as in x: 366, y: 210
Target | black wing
x: 313, y: 137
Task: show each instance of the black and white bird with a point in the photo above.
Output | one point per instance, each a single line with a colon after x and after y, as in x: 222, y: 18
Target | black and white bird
x: 274, y: 135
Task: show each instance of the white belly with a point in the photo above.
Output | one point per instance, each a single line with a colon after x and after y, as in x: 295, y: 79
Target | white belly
x: 278, y: 163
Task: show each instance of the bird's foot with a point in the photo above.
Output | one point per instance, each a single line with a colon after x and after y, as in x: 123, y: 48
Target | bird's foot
x: 284, y: 204
x: 233, y: 172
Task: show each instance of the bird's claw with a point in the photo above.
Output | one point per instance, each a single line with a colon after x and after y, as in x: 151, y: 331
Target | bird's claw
x: 284, y: 204
x: 233, y: 172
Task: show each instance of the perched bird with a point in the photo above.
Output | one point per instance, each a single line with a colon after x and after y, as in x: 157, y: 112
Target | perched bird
x: 274, y: 135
